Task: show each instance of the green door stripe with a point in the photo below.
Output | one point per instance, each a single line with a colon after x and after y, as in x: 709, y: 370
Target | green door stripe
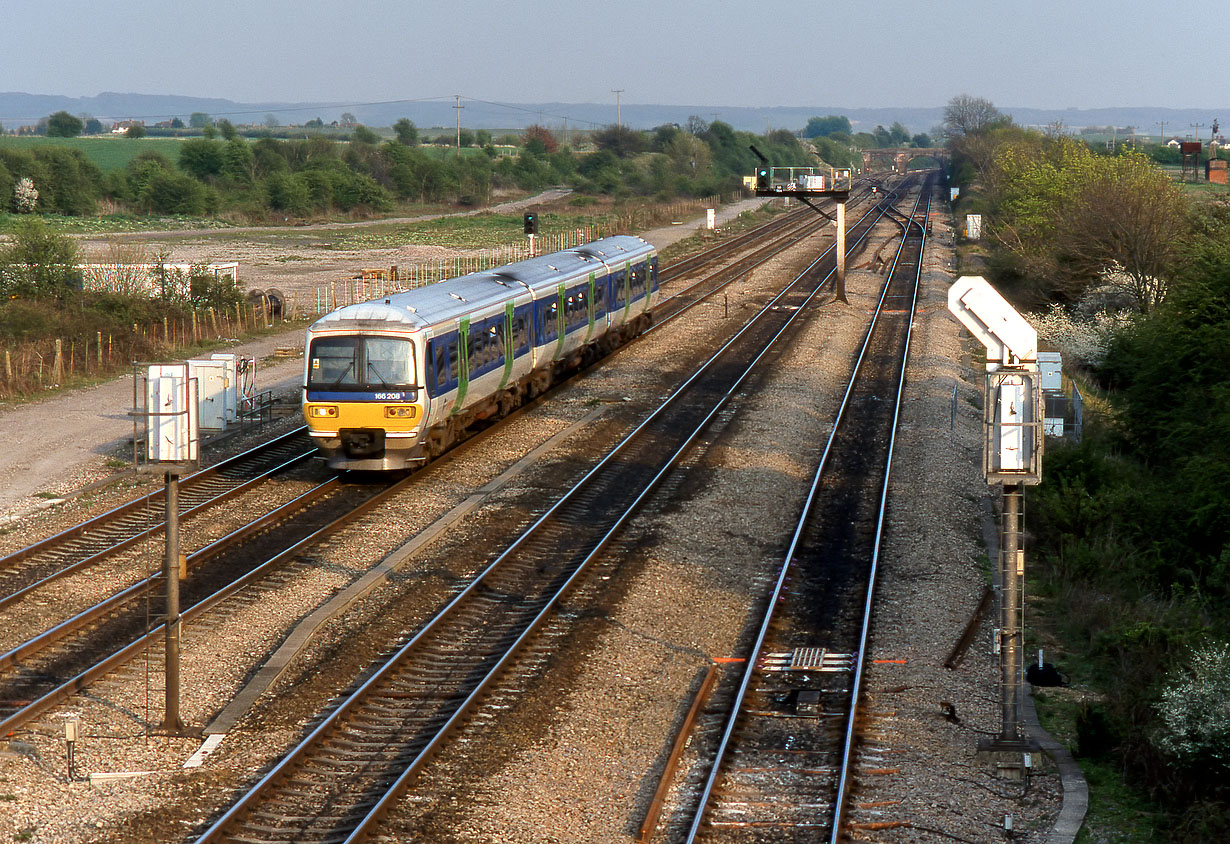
x: 463, y: 361
x: 560, y: 321
x: 508, y: 343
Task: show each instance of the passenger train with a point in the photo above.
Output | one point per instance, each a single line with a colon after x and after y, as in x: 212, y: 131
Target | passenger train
x: 393, y: 382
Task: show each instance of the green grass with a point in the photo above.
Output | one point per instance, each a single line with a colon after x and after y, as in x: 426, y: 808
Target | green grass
x: 1117, y: 814
x: 116, y: 223
x: 108, y: 152
x: 479, y: 231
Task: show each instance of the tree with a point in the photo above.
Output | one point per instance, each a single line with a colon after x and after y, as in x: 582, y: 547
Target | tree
x: 38, y: 262
x: 696, y: 125
x: 25, y: 196
x: 538, y: 140
x: 271, y: 121
x: 348, y: 119
x: 201, y: 157
x: 64, y: 125
x: 199, y: 120
x: 465, y: 138
x: 689, y: 155
x: 621, y: 140
x: 228, y: 130
x: 93, y: 126
x: 135, y: 131
x: 663, y: 135
x: 363, y: 135
x: 822, y: 127
x: 176, y: 123
x: 1127, y: 224
x: 966, y: 115
x: 407, y: 133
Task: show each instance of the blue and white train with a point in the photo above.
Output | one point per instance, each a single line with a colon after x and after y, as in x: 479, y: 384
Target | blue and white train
x: 395, y: 381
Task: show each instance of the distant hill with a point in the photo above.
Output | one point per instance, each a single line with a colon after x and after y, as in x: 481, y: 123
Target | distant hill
x: 19, y: 109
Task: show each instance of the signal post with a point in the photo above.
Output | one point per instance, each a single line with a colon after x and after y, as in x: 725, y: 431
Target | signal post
x: 167, y: 407
x: 1012, y: 456
x: 805, y: 184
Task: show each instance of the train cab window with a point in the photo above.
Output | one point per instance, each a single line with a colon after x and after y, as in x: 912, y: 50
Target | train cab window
x: 357, y: 362
x: 333, y: 362
x: 387, y: 362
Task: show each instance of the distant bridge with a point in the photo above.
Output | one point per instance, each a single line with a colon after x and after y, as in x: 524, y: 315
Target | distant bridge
x: 898, y: 158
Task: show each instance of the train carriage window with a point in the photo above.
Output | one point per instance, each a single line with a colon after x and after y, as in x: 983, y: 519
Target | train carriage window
x: 452, y: 361
x: 521, y: 335
x: 441, y: 355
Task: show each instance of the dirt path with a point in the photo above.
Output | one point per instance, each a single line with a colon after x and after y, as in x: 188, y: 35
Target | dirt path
x: 52, y: 447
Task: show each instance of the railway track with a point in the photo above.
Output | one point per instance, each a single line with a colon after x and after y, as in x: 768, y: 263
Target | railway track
x: 781, y: 765
x: 341, y: 780
x: 38, y: 672
x: 45, y: 669
x: 41, y: 564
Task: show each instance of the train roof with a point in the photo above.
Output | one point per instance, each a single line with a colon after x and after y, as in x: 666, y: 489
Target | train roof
x: 455, y: 297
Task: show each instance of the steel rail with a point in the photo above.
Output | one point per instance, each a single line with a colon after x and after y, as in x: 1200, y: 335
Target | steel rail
x: 138, y: 645
x: 847, y: 755
x: 298, y: 754
x: 780, y: 582
x: 86, y: 562
x: 129, y: 507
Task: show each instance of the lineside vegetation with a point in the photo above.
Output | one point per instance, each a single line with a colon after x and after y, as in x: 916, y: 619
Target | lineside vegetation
x: 1130, y: 564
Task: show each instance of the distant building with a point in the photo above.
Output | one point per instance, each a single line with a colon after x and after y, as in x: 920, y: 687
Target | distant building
x: 122, y: 126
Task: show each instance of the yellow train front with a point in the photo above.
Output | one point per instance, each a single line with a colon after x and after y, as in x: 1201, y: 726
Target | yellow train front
x: 392, y: 382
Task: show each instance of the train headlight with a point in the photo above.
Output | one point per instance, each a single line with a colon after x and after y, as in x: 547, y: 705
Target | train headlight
x: 322, y: 411
x: 403, y: 412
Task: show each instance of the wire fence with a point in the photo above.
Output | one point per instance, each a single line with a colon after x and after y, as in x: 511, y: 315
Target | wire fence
x: 380, y: 282
x: 30, y: 367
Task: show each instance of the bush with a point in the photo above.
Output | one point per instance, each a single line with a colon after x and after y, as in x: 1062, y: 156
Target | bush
x: 1195, y: 712
x: 38, y: 263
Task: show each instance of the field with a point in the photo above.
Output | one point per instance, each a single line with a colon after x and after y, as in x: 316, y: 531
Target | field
x: 113, y: 152
x: 108, y: 152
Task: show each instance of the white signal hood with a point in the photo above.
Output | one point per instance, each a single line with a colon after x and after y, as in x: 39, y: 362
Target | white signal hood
x: 1009, y: 339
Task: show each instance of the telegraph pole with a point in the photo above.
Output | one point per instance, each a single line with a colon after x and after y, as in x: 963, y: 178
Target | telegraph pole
x: 458, y: 107
x: 1161, y: 137
x: 618, y: 118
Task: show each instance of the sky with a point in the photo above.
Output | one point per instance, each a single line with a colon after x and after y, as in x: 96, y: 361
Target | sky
x: 874, y: 53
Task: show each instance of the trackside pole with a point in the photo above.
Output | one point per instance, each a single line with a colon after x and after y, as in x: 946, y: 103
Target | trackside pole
x: 171, y: 721
x: 841, y: 252
x: 1011, y: 573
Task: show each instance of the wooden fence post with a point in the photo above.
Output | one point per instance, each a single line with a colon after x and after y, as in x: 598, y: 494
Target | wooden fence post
x: 57, y: 368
